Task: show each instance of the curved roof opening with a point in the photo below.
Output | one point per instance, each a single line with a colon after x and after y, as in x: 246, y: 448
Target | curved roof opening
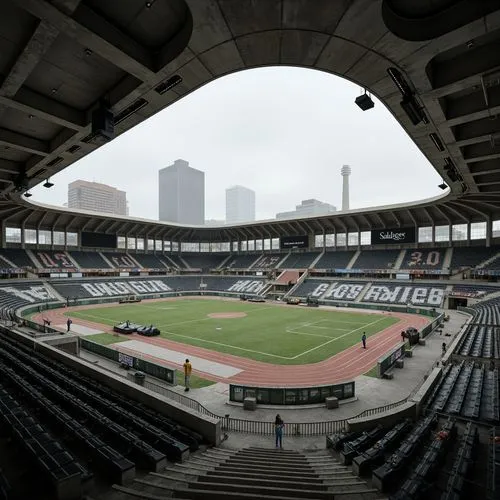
x: 284, y: 132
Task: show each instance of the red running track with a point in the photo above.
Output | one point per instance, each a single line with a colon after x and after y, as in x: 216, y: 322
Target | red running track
x: 344, y: 366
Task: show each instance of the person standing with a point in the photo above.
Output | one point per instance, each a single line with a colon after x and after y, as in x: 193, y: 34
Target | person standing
x: 278, y: 429
x: 187, y: 374
x: 68, y: 324
x: 363, y: 339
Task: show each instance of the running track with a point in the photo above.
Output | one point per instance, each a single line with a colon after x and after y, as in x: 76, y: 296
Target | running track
x: 344, y: 366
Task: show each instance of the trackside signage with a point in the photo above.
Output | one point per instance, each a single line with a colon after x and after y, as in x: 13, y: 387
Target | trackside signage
x: 393, y: 236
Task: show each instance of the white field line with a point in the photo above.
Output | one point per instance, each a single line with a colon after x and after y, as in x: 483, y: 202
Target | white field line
x: 337, y: 338
x: 226, y: 345
x: 296, y: 332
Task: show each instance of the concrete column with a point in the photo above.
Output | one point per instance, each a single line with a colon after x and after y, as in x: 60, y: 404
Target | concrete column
x: 2, y: 235
x: 489, y: 231
x: 450, y: 233
x: 468, y: 233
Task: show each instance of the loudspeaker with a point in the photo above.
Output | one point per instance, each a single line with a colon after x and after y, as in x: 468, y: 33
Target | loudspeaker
x: 364, y: 101
x: 103, y: 123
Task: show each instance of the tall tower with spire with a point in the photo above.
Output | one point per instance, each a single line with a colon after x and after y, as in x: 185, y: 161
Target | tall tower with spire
x: 345, y: 171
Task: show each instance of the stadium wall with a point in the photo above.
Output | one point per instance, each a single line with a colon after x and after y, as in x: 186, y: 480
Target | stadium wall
x: 208, y: 427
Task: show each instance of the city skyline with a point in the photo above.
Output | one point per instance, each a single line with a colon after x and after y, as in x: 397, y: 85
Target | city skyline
x: 285, y: 132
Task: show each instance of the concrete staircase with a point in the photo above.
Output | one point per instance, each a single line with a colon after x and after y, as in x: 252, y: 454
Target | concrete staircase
x: 251, y: 473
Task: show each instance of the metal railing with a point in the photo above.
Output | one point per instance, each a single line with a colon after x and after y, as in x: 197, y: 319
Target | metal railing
x: 305, y: 429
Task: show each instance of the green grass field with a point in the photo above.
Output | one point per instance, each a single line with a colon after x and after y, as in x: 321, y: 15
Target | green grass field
x: 270, y: 333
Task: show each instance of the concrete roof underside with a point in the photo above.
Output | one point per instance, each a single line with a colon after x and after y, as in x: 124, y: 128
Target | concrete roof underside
x: 58, y: 58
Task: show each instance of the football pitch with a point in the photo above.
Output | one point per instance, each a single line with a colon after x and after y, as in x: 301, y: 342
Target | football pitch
x: 265, y: 332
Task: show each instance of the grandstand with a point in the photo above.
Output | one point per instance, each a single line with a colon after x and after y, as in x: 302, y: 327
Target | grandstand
x: 74, y: 428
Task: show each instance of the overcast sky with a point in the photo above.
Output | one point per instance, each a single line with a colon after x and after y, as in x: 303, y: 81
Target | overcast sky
x: 283, y: 132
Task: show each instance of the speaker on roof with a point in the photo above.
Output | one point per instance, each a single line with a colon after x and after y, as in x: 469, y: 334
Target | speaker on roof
x: 103, y: 123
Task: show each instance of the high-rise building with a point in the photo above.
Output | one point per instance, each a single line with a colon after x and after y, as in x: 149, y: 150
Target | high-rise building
x: 308, y: 208
x: 240, y: 205
x: 181, y: 194
x: 97, y: 198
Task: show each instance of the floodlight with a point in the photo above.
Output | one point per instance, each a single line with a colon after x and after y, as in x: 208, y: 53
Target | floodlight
x: 48, y: 184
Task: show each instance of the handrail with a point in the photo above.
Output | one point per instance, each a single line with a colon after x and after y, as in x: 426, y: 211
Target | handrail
x: 265, y: 427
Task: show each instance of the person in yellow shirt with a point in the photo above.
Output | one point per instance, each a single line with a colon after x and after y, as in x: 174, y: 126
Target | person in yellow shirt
x: 187, y: 374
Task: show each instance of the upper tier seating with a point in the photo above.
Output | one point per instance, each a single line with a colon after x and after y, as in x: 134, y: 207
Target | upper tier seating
x: 89, y: 260
x: 268, y: 261
x: 494, y: 265
x: 334, y: 260
x: 471, y: 256
x: 115, y: 287
x: 121, y: 260
x: 423, y: 258
x: 205, y: 262
x: 149, y: 260
x: 243, y: 261
x: 176, y: 261
x: 18, y: 256
x: 299, y: 260
x: 376, y: 259
x: 474, y: 290
x: 50, y: 259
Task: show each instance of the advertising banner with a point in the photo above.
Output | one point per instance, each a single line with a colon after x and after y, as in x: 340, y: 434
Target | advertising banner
x: 393, y: 236
x: 294, y: 242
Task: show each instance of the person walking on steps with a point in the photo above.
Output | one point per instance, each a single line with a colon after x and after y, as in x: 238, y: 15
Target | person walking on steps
x: 68, y: 324
x: 363, y: 339
x: 187, y: 374
x: 278, y: 430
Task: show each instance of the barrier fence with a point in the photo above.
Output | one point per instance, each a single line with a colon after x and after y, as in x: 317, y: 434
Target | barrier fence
x: 266, y: 428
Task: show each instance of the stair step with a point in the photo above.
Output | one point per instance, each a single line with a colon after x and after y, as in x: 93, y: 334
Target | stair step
x: 276, y: 482
x: 291, y: 477
x: 266, y: 490
x: 277, y: 456
x: 131, y: 492
x: 201, y: 494
x: 279, y: 469
x: 272, y: 450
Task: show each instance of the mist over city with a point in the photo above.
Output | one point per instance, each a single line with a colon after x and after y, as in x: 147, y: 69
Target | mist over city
x: 283, y: 133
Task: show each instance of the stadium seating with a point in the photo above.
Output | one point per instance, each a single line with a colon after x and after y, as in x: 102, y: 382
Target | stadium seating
x: 268, y: 261
x: 89, y: 260
x: 479, y: 341
x: 467, y: 390
x: 396, y: 293
x: 120, y: 260
x: 150, y: 261
x: 18, y: 257
x: 334, y: 260
x: 49, y: 259
x: 376, y: 259
x: 474, y: 291
x: 205, y: 262
x: 176, y: 260
x: 243, y: 261
x: 115, y: 287
x: 464, y: 257
x: 423, y: 258
x: 299, y: 260
x: 115, y: 430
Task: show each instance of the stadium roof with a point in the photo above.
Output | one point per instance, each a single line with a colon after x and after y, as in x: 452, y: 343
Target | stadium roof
x: 59, y: 58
